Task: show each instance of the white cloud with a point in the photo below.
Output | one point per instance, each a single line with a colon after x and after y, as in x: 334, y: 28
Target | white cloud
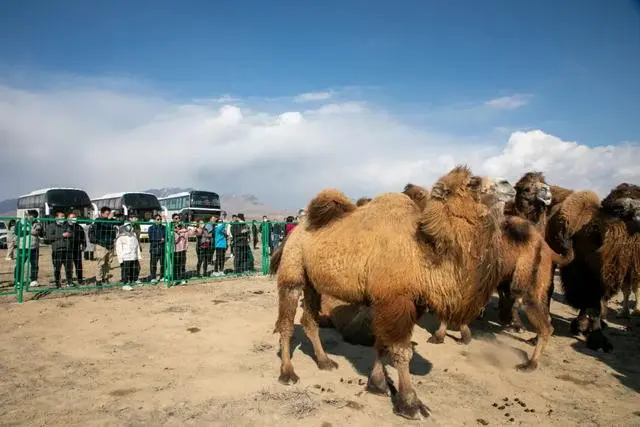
x: 511, y: 102
x: 106, y: 140
x: 313, y: 96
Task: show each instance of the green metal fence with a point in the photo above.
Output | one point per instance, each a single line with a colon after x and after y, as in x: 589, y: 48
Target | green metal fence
x: 104, y: 253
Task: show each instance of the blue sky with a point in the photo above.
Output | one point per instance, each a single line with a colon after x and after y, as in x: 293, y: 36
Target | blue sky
x: 574, y: 64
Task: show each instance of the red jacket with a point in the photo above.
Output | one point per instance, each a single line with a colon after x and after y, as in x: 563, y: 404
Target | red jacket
x: 288, y: 227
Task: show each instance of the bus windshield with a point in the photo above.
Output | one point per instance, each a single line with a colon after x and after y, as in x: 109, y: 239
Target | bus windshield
x: 205, y: 199
x: 73, y: 199
x: 141, y: 201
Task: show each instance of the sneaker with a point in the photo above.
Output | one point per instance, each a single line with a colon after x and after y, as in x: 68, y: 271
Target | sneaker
x: 34, y: 284
x: 138, y: 282
x: 69, y: 285
x: 184, y: 282
x: 154, y: 281
x: 127, y: 288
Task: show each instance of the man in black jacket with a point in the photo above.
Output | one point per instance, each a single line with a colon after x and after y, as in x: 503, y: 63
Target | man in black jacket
x: 78, y: 243
x: 103, y: 235
x: 59, y: 235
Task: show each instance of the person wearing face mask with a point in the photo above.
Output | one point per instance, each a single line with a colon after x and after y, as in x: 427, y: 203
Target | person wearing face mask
x: 129, y: 254
x: 28, y: 236
x: 78, y: 243
x: 156, y: 248
x: 265, y: 231
x: 59, y: 235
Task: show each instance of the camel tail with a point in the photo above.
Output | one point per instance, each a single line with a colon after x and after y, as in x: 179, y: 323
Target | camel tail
x: 276, y: 257
x: 418, y: 194
x: 328, y: 206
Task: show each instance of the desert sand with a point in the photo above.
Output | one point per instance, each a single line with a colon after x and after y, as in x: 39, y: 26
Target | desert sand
x: 204, y: 354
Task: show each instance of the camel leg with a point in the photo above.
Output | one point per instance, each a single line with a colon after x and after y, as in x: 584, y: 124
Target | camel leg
x: 634, y: 306
x: 596, y: 339
x: 287, y: 305
x: 377, y: 383
x: 311, y: 312
x: 465, y: 334
x: 580, y: 323
x: 626, y: 293
x: 539, y: 317
x: 438, y: 337
x: 393, y: 325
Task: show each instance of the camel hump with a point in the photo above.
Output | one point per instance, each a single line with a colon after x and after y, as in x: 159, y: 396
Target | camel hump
x: 329, y: 205
x: 418, y: 194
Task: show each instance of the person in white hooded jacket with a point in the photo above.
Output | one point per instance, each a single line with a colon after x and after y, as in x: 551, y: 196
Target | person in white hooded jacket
x: 129, y: 254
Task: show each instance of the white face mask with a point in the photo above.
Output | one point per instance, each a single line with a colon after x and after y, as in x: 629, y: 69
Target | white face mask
x: 59, y: 220
x: 73, y: 220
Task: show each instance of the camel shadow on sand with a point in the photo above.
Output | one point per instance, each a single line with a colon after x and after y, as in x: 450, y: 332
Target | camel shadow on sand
x: 360, y: 357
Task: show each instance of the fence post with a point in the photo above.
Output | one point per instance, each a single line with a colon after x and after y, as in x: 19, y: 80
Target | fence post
x: 20, y: 258
x: 169, y: 248
x: 266, y: 240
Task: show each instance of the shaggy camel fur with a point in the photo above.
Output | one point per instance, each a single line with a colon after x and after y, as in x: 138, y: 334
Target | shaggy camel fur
x: 527, y: 265
x: 353, y: 321
x: 558, y: 195
x: 606, y: 240
x: 390, y: 255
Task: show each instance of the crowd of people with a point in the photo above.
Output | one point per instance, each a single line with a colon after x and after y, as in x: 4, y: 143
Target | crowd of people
x: 114, y: 237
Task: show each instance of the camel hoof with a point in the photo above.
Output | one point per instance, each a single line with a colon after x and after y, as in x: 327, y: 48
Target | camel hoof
x: 624, y: 314
x: 575, y: 327
x: 516, y: 329
x: 288, y: 378
x: 412, y: 409
x: 381, y: 388
x: 529, y: 366
x: 327, y: 365
x: 433, y: 339
x: 635, y: 312
x: 464, y: 341
x: 532, y: 341
x: 596, y: 341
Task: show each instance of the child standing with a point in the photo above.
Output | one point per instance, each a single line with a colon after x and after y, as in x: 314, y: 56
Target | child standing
x: 128, y: 253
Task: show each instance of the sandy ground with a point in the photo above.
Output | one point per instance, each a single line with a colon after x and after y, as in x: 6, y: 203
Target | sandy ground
x: 204, y: 354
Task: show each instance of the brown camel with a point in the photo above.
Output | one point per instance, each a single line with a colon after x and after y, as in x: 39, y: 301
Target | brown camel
x: 532, y: 201
x: 606, y: 239
x: 353, y: 321
x: 396, y: 258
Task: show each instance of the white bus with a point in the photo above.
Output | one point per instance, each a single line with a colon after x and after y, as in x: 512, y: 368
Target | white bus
x: 143, y: 205
x: 192, y: 205
x: 48, y: 201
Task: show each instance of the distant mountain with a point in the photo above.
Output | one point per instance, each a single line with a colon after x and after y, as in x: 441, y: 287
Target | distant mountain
x: 248, y: 204
x: 8, y: 207
x: 164, y: 192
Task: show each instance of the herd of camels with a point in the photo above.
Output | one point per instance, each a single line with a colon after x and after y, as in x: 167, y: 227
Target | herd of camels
x: 371, y: 269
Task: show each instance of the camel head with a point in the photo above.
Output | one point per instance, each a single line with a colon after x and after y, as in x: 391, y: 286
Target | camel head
x: 532, y: 189
x: 458, y: 182
x: 495, y: 190
x: 623, y: 202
